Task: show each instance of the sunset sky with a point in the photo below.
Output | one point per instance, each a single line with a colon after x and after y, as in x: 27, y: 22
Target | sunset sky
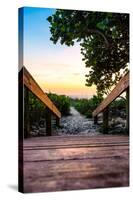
x: 57, y: 68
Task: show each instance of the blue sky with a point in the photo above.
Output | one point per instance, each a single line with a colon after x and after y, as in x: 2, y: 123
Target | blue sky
x: 57, y: 68
x: 37, y: 33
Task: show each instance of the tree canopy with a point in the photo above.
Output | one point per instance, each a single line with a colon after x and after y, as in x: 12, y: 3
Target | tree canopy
x: 104, y: 41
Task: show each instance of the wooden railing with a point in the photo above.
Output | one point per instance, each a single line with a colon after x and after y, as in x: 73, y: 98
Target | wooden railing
x: 28, y: 81
x: 123, y: 85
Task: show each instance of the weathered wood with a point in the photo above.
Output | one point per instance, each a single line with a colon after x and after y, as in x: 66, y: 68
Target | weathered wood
x: 48, y: 122
x: 70, y: 168
x: 63, y: 141
x: 75, y: 175
x: 32, y: 85
x: 117, y: 91
x: 26, y: 114
x: 57, y: 122
x: 105, y: 120
x: 95, y: 120
x: 20, y: 136
x: 74, y: 152
x: 127, y: 110
x: 21, y: 101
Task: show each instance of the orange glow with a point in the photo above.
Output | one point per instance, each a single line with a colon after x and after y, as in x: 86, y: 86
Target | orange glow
x: 61, y: 73
x: 70, y: 88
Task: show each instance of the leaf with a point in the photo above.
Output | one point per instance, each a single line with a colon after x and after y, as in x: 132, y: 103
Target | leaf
x: 71, y: 26
x: 49, y: 18
x: 63, y: 28
x: 101, y: 25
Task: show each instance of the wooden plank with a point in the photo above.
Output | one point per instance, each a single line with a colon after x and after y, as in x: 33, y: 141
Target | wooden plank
x: 74, y: 141
x: 69, y: 153
x: 57, y: 122
x: 26, y: 114
x: 105, y: 120
x: 117, y: 91
x: 32, y: 85
x: 76, y: 174
x: 48, y: 122
x: 57, y: 169
x: 127, y: 110
x: 95, y: 119
x: 20, y: 127
x: 78, y: 146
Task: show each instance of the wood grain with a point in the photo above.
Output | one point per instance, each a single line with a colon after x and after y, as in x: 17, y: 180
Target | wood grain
x: 33, y: 86
x: 75, y: 162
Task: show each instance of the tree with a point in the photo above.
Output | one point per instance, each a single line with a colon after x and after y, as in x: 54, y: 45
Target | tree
x: 104, y: 41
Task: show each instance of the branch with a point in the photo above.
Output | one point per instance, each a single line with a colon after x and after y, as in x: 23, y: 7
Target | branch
x: 100, y: 33
x: 122, y: 98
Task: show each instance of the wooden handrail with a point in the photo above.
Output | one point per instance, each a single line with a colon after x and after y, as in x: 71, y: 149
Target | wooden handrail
x: 122, y: 85
x: 33, y: 86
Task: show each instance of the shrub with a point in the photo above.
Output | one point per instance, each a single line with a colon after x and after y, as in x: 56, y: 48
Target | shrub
x: 87, y: 106
x: 62, y: 102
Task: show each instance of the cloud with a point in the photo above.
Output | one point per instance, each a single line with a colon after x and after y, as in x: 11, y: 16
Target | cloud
x: 76, y: 74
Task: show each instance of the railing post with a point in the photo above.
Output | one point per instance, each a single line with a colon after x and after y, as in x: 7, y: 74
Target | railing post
x: 105, y: 121
x: 95, y: 119
x: 48, y: 122
x: 127, y: 110
x: 57, y: 121
x: 26, y: 116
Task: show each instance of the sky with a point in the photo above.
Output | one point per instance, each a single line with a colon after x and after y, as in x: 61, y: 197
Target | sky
x: 57, y: 68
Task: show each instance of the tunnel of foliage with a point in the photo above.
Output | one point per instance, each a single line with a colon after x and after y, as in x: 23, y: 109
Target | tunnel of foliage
x: 37, y: 109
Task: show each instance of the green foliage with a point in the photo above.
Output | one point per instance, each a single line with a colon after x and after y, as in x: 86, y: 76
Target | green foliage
x: 85, y: 106
x: 62, y: 102
x: 118, y: 104
x: 35, y: 103
x: 118, y: 109
x: 35, y: 108
x: 104, y: 40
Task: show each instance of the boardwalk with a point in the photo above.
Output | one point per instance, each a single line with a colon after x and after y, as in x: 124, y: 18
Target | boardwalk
x: 75, y: 162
